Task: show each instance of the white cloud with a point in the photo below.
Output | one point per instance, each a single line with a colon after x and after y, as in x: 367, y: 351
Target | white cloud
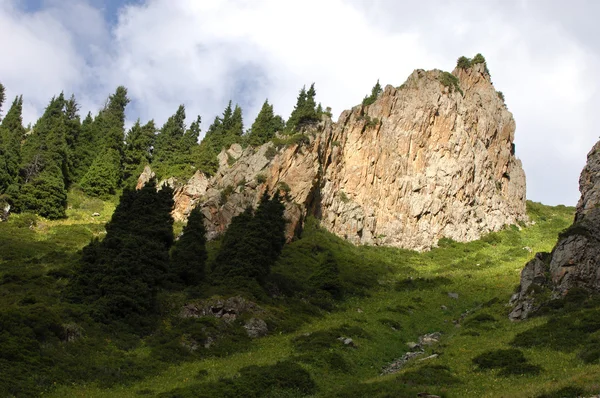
x: 202, y: 53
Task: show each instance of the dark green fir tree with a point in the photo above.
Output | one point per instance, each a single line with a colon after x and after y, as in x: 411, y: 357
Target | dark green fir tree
x: 265, y: 126
x: 109, y: 127
x: 188, y: 256
x: 120, y: 276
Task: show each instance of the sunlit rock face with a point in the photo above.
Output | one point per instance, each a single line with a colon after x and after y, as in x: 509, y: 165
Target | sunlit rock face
x: 424, y: 161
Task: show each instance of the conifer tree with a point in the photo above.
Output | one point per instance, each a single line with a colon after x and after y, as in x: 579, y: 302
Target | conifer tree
x: 265, y: 126
x: 305, y: 111
x: 86, y: 148
x: 44, y: 168
x: 253, y: 242
x: 11, y: 135
x: 120, y: 276
x: 139, y: 143
x: 169, y: 138
x: 109, y: 128
x: 375, y: 91
x: 222, y: 133
x: 72, y: 138
x: 188, y: 256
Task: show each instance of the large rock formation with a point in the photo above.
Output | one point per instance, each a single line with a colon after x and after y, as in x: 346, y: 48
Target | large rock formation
x: 575, y: 260
x: 432, y: 158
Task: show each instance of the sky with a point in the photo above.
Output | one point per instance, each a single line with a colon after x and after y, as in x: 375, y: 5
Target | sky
x: 544, y: 55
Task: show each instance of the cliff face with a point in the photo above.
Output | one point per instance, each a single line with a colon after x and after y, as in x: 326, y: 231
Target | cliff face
x: 421, y: 163
x: 575, y: 260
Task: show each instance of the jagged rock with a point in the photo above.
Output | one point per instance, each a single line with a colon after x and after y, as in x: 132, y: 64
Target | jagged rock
x: 146, y: 176
x: 187, y: 196
x: 575, y: 260
x: 228, y: 309
x: 424, y: 161
x: 256, y: 328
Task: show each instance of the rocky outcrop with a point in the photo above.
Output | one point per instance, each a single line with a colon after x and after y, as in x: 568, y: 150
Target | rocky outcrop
x: 575, y: 260
x: 432, y: 158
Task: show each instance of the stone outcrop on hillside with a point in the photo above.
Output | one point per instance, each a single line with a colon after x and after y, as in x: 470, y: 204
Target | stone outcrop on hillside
x: 575, y: 260
x: 424, y: 161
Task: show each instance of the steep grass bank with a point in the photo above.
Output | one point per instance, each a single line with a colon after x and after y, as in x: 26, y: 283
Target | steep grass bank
x: 386, y: 299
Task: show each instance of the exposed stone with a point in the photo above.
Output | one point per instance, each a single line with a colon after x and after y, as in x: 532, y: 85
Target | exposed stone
x: 430, y: 339
x: 256, y: 328
x: 146, y: 176
x: 228, y: 309
x: 421, y: 163
x: 575, y: 260
x: 95, y: 214
x: 454, y: 295
x: 433, y: 356
x: 399, y: 363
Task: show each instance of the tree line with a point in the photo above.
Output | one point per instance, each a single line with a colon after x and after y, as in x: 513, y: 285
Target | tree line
x: 39, y: 164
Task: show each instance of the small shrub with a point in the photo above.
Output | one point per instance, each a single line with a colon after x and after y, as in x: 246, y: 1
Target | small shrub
x: 463, y: 63
x: 343, y: 197
x: 261, y: 178
x: 230, y: 160
x: 447, y: 79
x: 283, y: 186
x: 225, y: 192
x: 500, y: 95
x: 499, y: 359
x: 270, y: 152
x: 478, y: 59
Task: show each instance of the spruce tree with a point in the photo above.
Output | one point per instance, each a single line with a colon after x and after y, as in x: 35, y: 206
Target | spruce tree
x: 109, y: 128
x: 265, y: 126
x: 139, y: 143
x: 72, y: 138
x: 104, y: 175
x: 375, y: 91
x: 169, y: 138
x: 305, y: 111
x: 44, y: 167
x: 188, y: 256
x: 11, y: 135
x: 120, y: 276
x: 253, y: 242
x: 86, y: 148
x: 222, y: 133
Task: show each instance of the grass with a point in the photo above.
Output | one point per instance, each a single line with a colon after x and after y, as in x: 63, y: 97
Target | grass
x: 381, y: 298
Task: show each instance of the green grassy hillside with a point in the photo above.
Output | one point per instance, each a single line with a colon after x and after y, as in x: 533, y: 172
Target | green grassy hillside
x: 322, y: 289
